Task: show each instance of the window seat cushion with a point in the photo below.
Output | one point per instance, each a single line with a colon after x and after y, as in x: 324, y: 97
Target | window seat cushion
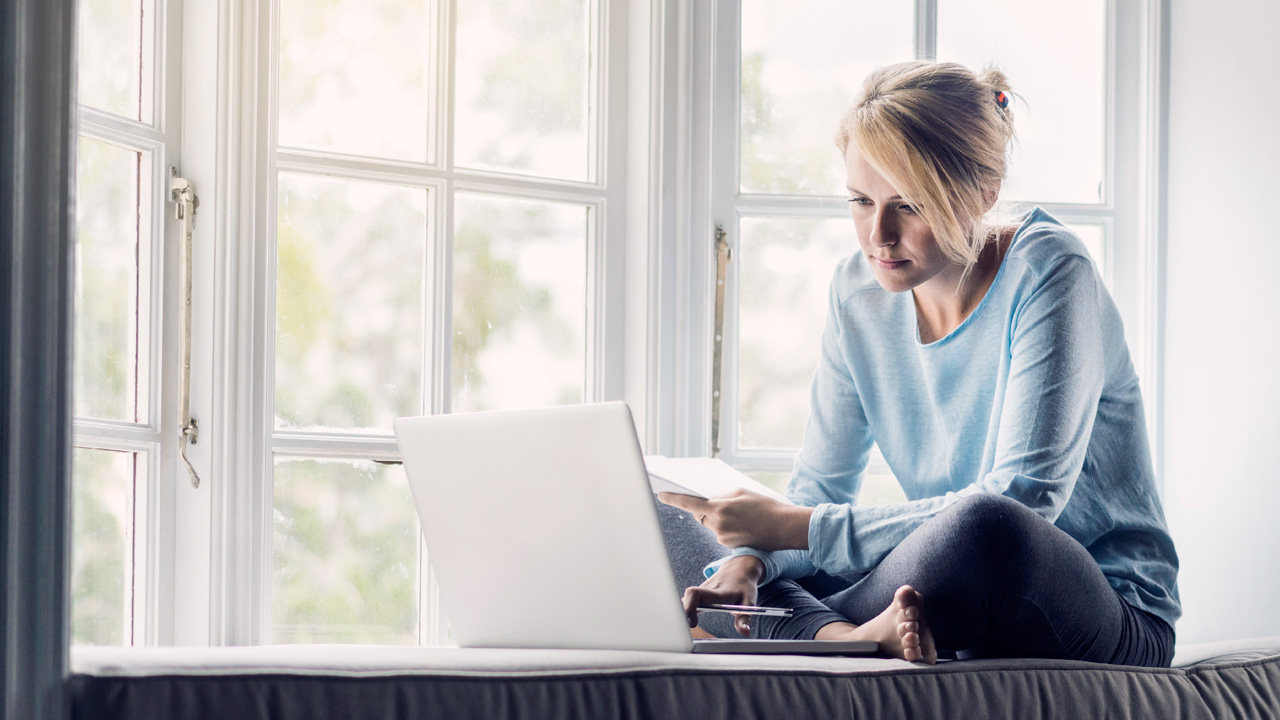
x: 283, y: 682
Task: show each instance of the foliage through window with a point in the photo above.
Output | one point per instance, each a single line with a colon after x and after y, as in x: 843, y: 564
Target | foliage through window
x: 432, y: 254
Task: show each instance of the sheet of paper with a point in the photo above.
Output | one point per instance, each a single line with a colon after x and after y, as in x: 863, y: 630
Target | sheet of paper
x: 701, y: 477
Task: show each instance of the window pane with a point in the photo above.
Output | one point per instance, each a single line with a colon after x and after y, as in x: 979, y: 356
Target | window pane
x: 1055, y: 57
x: 115, y: 56
x: 349, y: 285
x: 519, y: 303
x: 786, y: 263
x: 1091, y: 236
x: 101, y: 546
x: 774, y: 480
x: 346, y: 553
x: 354, y: 76
x: 523, y: 79
x: 108, y: 230
x: 880, y: 489
x: 802, y: 64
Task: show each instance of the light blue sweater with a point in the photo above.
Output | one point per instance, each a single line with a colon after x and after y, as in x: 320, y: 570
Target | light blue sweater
x: 1033, y: 396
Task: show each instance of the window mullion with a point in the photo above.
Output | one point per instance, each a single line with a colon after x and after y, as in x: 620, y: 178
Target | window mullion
x: 378, y: 449
x: 723, y: 121
x: 926, y: 36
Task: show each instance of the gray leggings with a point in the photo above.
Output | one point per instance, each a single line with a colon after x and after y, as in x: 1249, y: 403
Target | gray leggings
x: 997, y: 579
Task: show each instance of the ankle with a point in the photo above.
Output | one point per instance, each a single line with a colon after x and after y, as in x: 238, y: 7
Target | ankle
x: 834, y: 631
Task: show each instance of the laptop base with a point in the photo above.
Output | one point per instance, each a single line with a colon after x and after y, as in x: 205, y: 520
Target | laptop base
x: 787, y: 647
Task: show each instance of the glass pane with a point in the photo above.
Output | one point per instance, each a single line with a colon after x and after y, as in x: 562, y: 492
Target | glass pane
x: 802, y: 64
x: 774, y: 480
x: 349, y: 288
x: 786, y: 266
x: 880, y: 489
x: 108, y: 231
x: 1055, y: 57
x: 519, y: 303
x: 115, y: 46
x: 523, y: 79
x: 1091, y: 236
x: 354, y: 76
x: 346, y: 554
x: 101, y: 546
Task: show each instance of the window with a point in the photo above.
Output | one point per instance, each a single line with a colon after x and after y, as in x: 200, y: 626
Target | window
x: 122, y: 429
x: 436, y: 201
x: 427, y: 206
x: 782, y: 78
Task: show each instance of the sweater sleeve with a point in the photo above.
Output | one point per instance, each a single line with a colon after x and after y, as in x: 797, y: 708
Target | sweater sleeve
x: 1055, y: 379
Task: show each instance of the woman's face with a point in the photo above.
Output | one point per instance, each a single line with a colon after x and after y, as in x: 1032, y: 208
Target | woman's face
x: 897, y: 242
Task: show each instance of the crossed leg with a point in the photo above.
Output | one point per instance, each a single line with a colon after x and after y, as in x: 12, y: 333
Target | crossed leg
x: 998, y: 579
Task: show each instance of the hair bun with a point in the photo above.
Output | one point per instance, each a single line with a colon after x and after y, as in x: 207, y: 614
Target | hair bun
x: 996, y: 80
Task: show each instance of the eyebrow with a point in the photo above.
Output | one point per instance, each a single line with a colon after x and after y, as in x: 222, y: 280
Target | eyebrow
x: 859, y: 192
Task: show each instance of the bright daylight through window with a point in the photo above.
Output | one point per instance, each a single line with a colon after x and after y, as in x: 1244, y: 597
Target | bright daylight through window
x: 415, y: 234
x: 121, y: 167
x: 423, y: 212
x: 789, y: 201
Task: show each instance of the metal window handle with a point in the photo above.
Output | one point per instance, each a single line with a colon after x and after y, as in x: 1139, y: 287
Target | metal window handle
x: 724, y: 254
x: 185, y: 204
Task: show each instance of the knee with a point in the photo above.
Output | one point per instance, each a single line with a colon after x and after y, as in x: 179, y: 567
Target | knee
x: 985, y: 513
x: 999, y: 529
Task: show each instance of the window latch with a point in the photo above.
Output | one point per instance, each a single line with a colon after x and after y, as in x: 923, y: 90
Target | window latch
x: 183, y: 195
x: 724, y: 254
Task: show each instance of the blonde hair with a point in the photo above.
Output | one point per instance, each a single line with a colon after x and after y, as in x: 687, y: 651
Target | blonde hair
x: 939, y: 136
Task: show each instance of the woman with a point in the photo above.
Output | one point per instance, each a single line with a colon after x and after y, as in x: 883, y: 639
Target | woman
x: 988, y: 362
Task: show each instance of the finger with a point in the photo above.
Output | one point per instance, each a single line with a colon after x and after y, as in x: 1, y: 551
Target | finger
x: 690, y: 602
x: 743, y: 624
x: 688, y: 503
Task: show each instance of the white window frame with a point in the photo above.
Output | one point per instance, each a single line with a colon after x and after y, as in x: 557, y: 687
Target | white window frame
x: 230, y: 85
x: 656, y: 267
x: 150, y: 552
x: 1136, y: 68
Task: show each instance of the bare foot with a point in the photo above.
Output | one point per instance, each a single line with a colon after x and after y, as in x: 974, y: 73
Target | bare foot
x: 901, y: 629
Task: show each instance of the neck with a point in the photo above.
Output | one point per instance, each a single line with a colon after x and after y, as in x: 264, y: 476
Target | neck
x: 947, y: 299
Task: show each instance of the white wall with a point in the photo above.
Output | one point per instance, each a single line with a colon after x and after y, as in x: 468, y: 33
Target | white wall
x: 1222, y: 351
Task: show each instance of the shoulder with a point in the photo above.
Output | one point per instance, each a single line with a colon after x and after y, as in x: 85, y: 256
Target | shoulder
x: 853, y: 278
x: 1043, y: 246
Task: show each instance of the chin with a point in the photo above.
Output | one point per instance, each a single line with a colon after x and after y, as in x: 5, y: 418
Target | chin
x: 894, y: 285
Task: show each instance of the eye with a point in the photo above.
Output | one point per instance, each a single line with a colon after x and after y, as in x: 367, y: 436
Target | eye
x: 860, y: 201
x: 908, y: 209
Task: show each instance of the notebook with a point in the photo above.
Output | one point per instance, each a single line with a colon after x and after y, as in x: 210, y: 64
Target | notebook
x: 541, y: 529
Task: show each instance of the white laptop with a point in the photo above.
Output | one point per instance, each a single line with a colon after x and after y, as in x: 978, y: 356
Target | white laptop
x: 541, y: 528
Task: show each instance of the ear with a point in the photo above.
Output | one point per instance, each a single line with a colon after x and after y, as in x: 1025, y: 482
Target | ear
x: 990, y: 196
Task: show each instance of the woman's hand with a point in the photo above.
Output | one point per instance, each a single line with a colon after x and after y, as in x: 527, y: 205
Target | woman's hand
x: 747, y: 519
x: 733, y: 584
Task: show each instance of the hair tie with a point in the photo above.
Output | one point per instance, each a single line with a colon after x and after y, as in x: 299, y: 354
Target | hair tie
x: 1002, y: 100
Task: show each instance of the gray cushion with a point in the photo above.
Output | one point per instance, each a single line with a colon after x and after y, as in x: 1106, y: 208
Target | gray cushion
x: 1238, y: 679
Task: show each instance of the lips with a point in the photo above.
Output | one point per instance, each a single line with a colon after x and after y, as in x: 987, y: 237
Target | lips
x: 889, y: 264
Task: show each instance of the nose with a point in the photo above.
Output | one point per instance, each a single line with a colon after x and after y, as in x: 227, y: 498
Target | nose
x: 884, y: 232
